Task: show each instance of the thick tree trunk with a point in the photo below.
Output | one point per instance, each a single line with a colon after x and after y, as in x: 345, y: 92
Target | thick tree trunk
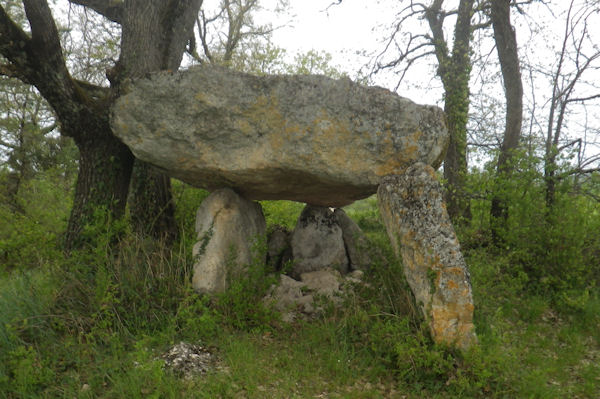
x: 456, y: 107
x: 105, y: 165
x: 506, y: 45
x: 151, y: 202
x: 155, y: 33
x: 154, y: 37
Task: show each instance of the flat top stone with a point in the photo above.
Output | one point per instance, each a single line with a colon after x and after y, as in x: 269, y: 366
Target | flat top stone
x: 306, y: 138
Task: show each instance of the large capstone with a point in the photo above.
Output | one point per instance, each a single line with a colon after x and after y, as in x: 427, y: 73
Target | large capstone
x: 305, y: 138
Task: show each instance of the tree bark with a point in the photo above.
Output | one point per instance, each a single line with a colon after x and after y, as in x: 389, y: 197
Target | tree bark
x: 155, y: 34
x: 455, y: 71
x: 506, y: 45
x: 105, y: 165
x: 154, y: 38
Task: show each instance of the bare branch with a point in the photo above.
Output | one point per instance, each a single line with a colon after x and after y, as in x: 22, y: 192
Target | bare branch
x: 577, y: 171
x: 112, y: 10
x: 583, y: 99
x: 335, y: 3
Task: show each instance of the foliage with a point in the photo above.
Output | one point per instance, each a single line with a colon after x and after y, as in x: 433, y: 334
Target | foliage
x: 241, y: 305
x: 550, y: 249
x: 93, y: 324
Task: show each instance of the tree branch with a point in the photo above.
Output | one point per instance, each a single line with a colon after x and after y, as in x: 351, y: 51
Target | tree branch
x: 44, y: 34
x: 110, y: 9
x: 13, y: 41
x: 10, y: 71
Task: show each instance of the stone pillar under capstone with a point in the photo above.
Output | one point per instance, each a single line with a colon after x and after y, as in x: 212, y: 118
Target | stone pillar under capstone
x: 420, y: 230
x: 227, y: 226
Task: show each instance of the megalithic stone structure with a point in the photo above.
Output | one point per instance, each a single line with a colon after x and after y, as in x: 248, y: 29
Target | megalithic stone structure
x: 316, y: 140
x: 419, y: 227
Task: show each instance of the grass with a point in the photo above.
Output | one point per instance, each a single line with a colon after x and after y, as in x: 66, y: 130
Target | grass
x: 93, y: 325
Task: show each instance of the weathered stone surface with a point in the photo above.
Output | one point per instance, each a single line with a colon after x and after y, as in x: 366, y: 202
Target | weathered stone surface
x: 279, y: 249
x: 420, y: 230
x: 296, y: 298
x: 227, y: 225
x: 323, y: 282
x: 355, y: 241
x: 306, y: 138
x: 188, y: 360
x: 317, y: 242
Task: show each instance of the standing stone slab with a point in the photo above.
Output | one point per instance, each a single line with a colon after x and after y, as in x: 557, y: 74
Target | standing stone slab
x: 317, y: 242
x: 227, y: 226
x: 420, y: 230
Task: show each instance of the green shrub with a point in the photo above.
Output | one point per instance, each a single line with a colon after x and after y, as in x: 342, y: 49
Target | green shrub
x: 282, y: 213
x: 25, y: 321
x: 31, y: 228
x: 556, y: 248
x: 241, y: 306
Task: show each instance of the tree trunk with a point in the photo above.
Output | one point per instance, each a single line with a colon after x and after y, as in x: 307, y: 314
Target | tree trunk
x: 105, y: 165
x: 154, y: 37
x: 456, y: 106
x: 455, y: 72
x: 151, y: 203
x: 506, y: 45
x: 155, y: 34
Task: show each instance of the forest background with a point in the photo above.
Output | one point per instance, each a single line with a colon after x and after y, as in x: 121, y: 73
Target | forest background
x: 95, y: 267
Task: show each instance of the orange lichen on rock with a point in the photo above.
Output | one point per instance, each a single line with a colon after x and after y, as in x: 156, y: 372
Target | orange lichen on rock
x: 411, y: 207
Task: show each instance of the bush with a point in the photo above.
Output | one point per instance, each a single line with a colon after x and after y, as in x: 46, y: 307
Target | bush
x: 555, y: 247
x: 242, y: 306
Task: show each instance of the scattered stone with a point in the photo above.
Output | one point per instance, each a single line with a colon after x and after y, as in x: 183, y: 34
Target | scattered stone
x: 317, y: 242
x: 325, y: 282
x: 306, y: 138
x: 420, y: 230
x: 227, y: 226
x: 188, y: 360
x: 296, y: 299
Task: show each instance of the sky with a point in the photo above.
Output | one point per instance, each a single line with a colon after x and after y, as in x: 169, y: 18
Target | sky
x: 352, y: 31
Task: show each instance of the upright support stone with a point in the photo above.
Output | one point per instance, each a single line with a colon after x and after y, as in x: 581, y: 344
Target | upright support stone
x: 227, y: 225
x: 420, y: 230
x: 317, y: 242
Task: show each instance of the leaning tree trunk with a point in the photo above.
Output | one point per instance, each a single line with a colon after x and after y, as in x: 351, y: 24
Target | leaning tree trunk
x: 105, y: 165
x: 506, y: 45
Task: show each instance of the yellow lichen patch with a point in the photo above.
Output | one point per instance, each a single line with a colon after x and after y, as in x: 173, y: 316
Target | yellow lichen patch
x: 453, y: 324
x: 399, y: 159
x: 395, y: 165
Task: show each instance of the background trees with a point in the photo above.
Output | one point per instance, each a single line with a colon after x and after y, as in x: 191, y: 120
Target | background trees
x: 74, y: 326
x: 154, y: 36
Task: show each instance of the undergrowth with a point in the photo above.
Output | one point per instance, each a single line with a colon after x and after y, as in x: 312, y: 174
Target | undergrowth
x: 93, y: 324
